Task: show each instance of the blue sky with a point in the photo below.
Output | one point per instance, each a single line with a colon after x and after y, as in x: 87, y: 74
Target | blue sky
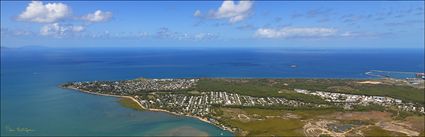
x: 303, y: 24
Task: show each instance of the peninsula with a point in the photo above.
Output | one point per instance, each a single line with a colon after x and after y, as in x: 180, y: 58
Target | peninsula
x: 296, y: 107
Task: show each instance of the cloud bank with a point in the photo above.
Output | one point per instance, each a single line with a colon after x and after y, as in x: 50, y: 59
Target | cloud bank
x: 229, y: 10
x: 38, y: 12
x: 55, y: 15
x: 98, y: 16
x: 295, y: 32
x: 58, y: 30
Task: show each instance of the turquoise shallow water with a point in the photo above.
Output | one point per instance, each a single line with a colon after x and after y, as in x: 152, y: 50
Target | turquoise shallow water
x: 31, y: 98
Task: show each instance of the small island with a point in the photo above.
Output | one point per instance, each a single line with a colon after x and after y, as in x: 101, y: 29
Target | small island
x: 276, y: 107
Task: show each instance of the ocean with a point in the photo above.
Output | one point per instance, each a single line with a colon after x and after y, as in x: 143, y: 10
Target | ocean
x: 32, y: 100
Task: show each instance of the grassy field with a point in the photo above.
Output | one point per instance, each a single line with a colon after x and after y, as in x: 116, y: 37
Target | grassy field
x: 284, y: 88
x: 268, y: 122
x: 257, y: 125
x: 271, y: 127
x: 376, y: 131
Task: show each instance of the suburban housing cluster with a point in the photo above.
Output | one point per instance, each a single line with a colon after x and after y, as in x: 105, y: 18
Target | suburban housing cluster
x: 200, y: 105
x: 349, y: 100
x: 127, y: 87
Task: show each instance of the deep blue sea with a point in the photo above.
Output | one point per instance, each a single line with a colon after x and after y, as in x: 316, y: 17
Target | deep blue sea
x: 31, y: 98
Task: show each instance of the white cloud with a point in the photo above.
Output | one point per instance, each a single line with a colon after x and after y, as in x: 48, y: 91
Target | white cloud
x: 77, y: 28
x: 165, y: 33
x: 365, y: 34
x: 38, y: 12
x: 98, y: 16
x: 58, y: 30
x: 349, y: 34
x: 230, y: 10
x: 204, y: 36
x: 291, y: 32
x: 234, y: 12
x: 162, y: 34
x: 197, y: 13
x: 48, y: 13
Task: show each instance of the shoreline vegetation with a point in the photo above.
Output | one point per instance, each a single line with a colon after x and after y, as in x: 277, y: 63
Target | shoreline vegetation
x: 129, y: 103
x: 270, y: 107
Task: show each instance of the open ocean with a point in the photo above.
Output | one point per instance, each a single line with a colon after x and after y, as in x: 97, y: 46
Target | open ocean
x: 31, y: 98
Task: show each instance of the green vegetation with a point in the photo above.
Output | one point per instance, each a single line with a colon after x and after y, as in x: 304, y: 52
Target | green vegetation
x: 258, y: 125
x: 325, y: 135
x: 376, y: 131
x: 401, y: 92
x: 304, y: 114
x: 269, y: 122
x: 255, y: 87
x: 272, y: 122
x: 405, y: 93
x: 284, y: 88
x: 270, y: 127
x: 128, y: 103
x: 369, y: 107
x: 401, y: 115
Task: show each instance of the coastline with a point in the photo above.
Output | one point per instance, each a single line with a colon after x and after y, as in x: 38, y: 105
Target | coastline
x: 150, y: 109
x: 100, y: 94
